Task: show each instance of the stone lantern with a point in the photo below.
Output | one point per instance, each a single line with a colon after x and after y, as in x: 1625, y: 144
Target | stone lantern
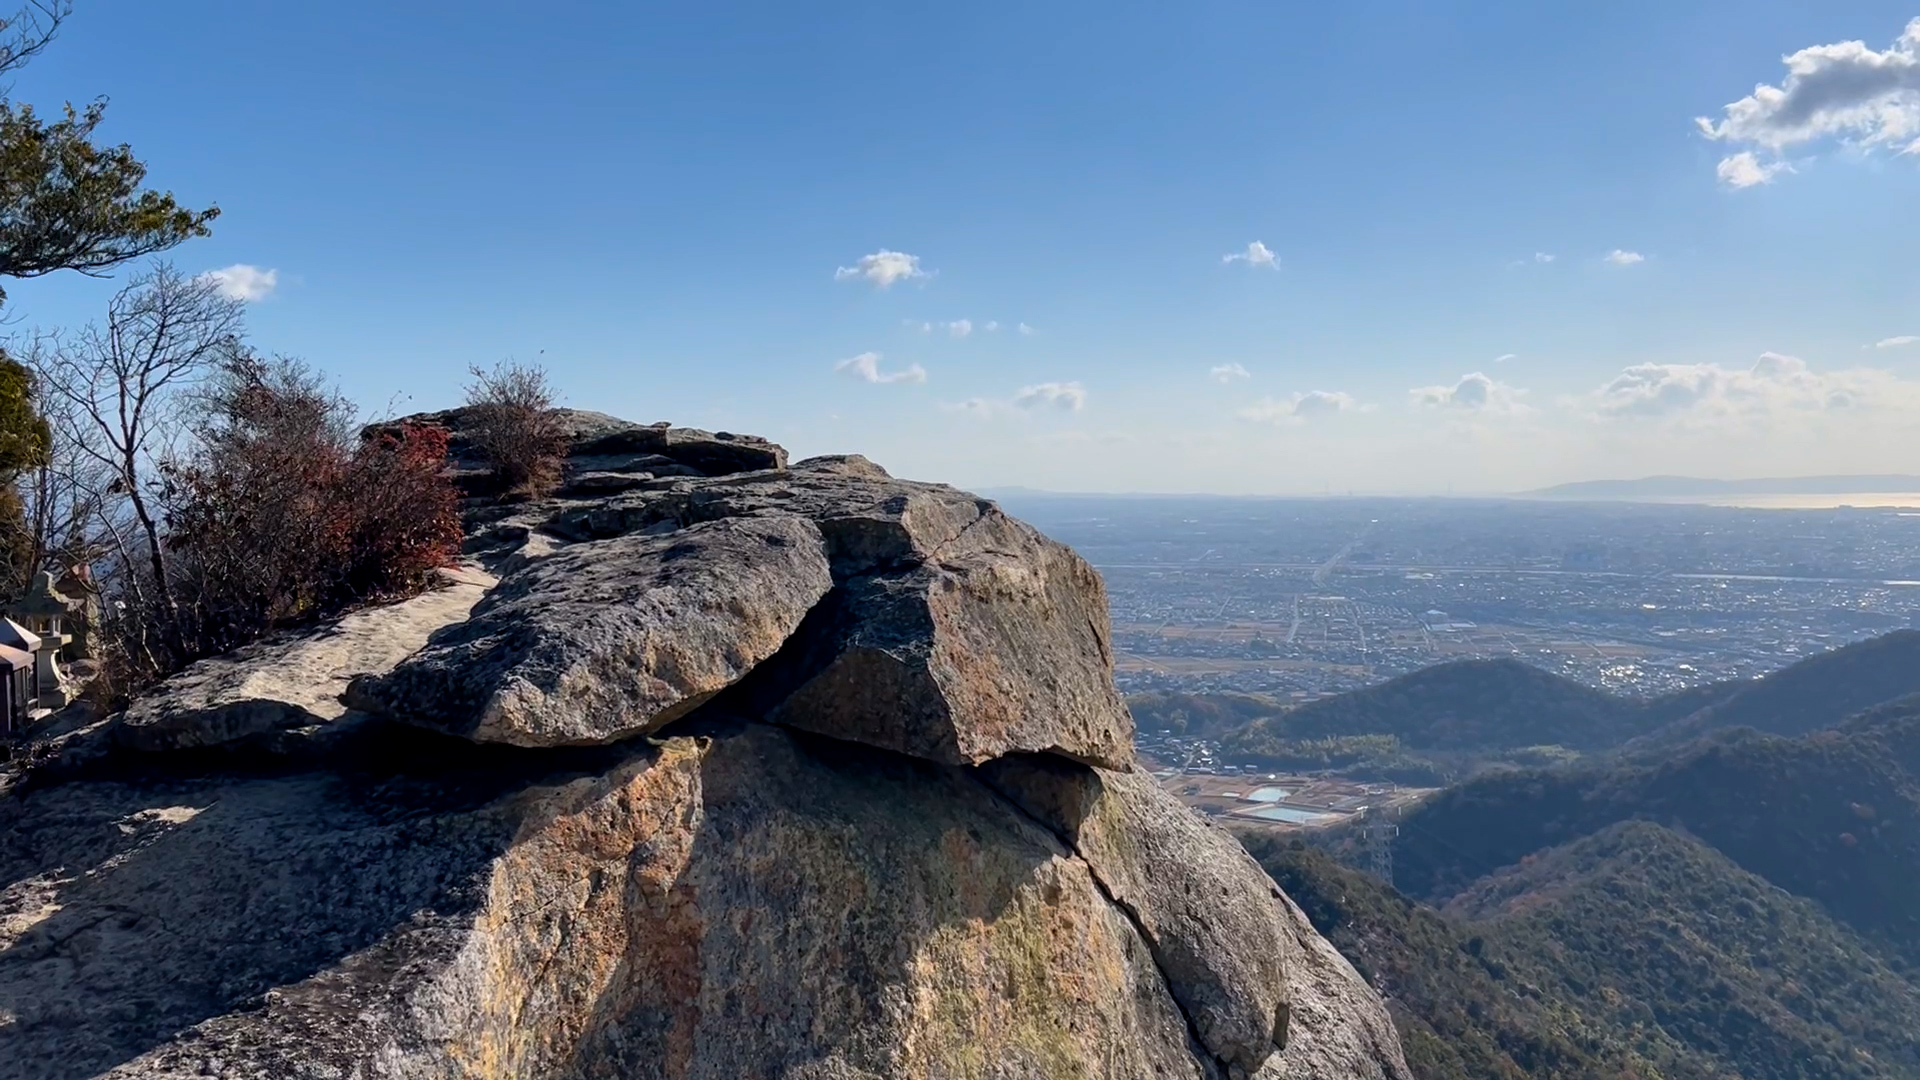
x: 43, y: 616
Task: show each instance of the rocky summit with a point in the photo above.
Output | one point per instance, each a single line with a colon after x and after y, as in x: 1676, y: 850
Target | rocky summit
x: 709, y: 766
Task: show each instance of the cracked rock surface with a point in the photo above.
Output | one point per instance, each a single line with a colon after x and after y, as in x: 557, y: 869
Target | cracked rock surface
x: 740, y: 770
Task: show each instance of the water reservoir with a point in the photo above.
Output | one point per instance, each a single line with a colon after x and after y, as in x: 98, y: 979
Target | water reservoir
x: 1290, y: 815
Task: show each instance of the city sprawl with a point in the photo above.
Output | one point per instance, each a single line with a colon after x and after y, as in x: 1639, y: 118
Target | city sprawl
x: 1304, y: 597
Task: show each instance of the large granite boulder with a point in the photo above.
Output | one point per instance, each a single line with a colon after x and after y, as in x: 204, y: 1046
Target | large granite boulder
x: 934, y: 624
x: 736, y: 901
x: 730, y: 904
x: 804, y: 773
x: 961, y: 661
x: 607, y: 640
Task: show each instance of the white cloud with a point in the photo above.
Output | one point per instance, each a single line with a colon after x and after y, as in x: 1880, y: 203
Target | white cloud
x: 1743, y: 170
x: 1504, y: 357
x: 1776, y: 384
x: 960, y: 328
x: 1475, y: 392
x: 1027, y: 330
x: 1897, y: 342
x: 883, y: 268
x: 1623, y: 258
x: 1844, y: 91
x: 1295, y: 408
x: 243, y: 282
x: 1226, y: 373
x: 866, y: 368
x: 1067, y: 396
x: 991, y: 326
x: 1256, y: 255
x: 1543, y: 257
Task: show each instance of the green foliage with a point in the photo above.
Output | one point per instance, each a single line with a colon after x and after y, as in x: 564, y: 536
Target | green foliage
x: 1473, y: 705
x: 1834, y: 817
x: 1739, y: 906
x: 25, y: 442
x: 1459, y: 1014
x: 1642, y: 929
x: 67, y: 203
x: 25, y: 437
x: 1371, y: 756
x: 1634, y: 952
x: 1203, y: 715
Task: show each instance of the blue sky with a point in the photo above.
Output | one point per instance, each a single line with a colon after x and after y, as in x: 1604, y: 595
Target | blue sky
x: 654, y: 201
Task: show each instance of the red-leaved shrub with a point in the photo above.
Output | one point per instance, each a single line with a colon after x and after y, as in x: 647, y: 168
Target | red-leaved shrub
x: 279, y: 512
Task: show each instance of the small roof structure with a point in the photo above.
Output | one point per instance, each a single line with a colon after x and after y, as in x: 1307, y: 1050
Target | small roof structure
x: 14, y: 635
x: 15, y: 659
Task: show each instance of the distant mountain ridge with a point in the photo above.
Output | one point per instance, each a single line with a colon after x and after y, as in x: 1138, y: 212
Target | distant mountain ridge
x: 1658, y: 487
x: 1818, y: 692
x: 1459, y: 718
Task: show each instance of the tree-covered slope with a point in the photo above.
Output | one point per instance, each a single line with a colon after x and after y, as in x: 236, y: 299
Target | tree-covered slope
x: 1459, y: 1013
x: 1632, y: 952
x: 1470, y: 705
x: 1641, y: 928
x: 1814, y: 693
x: 1833, y: 817
x: 1204, y: 715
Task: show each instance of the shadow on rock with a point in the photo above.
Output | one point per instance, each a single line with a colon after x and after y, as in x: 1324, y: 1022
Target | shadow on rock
x: 133, y: 912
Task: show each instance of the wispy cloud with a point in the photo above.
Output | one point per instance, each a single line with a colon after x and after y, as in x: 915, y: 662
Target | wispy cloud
x: 1504, y: 357
x: 1897, y: 342
x: 1474, y: 392
x: 960, y: 328
x: 1743, y: 170
x: 991, y: 326
x: 1844, y: 91
x: 1299, y: 407
x: 866, y: 368
x: 883, y: 268
x: 1226, y: 373
x: 1066, y: 396
x: 1543, y: 257
x: 1026, y: 330
x: 1623, y: 258
x: 242, y: 281
x: 1256, y: 255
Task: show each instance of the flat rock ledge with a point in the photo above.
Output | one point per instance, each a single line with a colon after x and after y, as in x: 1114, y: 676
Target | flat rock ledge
x: 739, y: 769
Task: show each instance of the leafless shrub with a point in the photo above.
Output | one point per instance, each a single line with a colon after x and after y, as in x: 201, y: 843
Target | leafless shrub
x: 515, y: 429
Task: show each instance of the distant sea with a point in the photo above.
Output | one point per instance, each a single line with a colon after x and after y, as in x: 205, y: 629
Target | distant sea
x: 1862, y: 500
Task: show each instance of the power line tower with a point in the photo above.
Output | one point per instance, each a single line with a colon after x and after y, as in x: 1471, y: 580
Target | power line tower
x: 1379, y: 826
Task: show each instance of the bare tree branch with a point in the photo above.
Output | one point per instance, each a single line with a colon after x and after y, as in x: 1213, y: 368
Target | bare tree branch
x: 111, y: 386
x: 29, y: 31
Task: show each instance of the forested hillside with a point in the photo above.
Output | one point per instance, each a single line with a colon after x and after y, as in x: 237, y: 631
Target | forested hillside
x: 1634, y: 952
